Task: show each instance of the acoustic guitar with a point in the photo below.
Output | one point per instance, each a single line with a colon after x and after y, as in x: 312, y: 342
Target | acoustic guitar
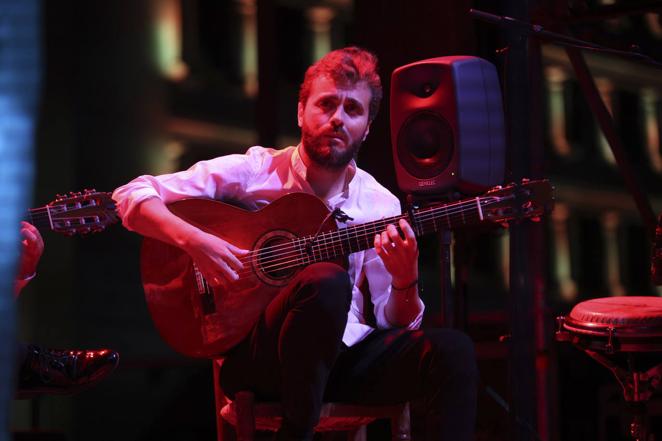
x: 284, y: 237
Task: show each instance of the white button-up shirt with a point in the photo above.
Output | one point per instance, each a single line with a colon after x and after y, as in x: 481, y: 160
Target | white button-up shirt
x: 261, y: 176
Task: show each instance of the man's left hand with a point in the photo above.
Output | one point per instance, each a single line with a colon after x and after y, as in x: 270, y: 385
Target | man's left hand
x: 400, y: 255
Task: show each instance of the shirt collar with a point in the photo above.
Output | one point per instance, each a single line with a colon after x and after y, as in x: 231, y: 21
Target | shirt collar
x: 301, y: 170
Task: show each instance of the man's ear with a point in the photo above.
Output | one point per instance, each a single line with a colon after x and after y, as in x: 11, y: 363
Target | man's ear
x: 367, y: 130
x: 300, y: 114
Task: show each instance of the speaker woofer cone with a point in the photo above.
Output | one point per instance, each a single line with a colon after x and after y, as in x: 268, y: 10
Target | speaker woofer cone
x: 425, y: 145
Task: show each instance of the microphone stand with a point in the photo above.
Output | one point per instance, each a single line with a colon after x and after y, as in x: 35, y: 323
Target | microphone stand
x: 573, y: 47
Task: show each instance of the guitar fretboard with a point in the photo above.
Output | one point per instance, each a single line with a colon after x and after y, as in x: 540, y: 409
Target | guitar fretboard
x: 333, y: 244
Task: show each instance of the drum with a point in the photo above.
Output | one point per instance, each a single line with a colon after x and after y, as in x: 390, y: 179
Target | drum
x: 615, y: 324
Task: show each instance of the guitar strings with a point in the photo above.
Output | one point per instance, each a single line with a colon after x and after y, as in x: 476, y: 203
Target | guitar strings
x: 285, y: 252
x: 343, y: 234
x: 41, y: 216
x: 329, y: 244
x: 423, y: 215
x: 334, y: 237
x: 337, y: 237
x: 297, y: 260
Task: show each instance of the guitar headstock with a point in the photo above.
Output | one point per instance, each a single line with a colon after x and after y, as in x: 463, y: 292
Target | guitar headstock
x: 528, y: 199
x: 89, y: 211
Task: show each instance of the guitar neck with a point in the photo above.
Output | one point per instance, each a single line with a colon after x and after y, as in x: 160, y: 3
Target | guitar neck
x: 80, y: 213
x: 344, y: 241
x: 39, y: 217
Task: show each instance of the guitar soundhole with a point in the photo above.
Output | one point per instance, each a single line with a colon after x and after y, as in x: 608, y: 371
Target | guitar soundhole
x: 278, y: 258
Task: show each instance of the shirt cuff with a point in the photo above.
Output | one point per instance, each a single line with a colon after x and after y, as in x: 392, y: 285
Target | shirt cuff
x: 19, y: 284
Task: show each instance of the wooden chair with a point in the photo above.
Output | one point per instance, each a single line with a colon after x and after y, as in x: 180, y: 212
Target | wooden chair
x: 245, y: 416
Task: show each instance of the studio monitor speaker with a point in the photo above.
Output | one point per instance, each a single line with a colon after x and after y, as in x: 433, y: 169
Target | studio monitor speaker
x: 447, y: 128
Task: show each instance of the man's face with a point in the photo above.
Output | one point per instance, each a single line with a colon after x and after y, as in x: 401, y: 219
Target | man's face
x: 334, y: 122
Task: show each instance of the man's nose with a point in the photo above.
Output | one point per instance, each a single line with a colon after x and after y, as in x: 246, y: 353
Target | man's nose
x: 337, y: 118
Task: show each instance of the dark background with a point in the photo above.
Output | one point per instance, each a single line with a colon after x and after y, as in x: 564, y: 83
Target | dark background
x: 109, y: 114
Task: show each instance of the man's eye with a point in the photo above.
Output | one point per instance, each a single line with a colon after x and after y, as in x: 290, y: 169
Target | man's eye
x: 326, y: 104
x: 353, y: 109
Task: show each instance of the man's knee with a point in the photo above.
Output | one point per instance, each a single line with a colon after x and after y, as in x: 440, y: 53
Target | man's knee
x: 453, y: 351
x: 327, y: 285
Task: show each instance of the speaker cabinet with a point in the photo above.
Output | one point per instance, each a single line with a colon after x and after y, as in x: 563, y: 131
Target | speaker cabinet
x: 447, y: 128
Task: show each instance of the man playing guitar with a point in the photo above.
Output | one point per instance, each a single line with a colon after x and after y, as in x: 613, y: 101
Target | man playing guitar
x: 313, y: 341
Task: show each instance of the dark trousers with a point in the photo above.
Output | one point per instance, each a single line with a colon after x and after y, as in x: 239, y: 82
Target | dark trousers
x: 295, y: 354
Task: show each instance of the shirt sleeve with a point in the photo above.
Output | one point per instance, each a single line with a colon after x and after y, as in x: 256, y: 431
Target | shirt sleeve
x: 379, y: 281
x: 225, y: 177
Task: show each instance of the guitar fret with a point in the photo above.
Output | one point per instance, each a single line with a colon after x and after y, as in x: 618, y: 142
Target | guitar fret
x: 301, y: 250
x: 329, y: 245
x: 480, y: 210
x: 320, y: 245
x: 365, y: 233
x: 330, y: 250
x: 420, y: 229
x: 50, y: 218
x: 348, y: 243
x: 319, y: 250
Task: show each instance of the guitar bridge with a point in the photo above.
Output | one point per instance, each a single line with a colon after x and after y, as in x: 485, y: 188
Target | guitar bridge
x: 205, y: 292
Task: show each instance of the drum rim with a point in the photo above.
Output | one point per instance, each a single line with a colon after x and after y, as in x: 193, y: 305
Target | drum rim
x: 616, y: 330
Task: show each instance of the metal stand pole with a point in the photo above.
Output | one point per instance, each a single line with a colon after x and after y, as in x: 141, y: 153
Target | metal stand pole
x: 447, y: 300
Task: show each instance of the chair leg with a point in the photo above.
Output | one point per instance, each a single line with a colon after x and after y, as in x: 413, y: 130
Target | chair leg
x: 222, y: 432
x: 401, y: 426
x: 244, y: 402
x: 358, y: 434
x: 226, y: 432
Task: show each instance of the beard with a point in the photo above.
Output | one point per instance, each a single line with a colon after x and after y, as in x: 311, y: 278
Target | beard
x: 325, y: 153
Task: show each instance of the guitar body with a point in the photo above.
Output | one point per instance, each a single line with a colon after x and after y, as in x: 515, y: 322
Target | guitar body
x: 199, y: 321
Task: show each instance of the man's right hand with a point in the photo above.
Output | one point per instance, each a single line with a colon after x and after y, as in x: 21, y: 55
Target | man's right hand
x: 218, y: 260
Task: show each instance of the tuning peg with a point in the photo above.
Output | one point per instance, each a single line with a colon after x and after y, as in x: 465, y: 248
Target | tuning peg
x: 535, y: 219
x: 525, y: 180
